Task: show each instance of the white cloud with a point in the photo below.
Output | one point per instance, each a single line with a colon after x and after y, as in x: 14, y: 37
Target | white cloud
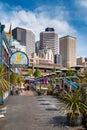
x: 38, y: 20
x: 82, y: 3
x: 41, y: 18
x: 81, y: 10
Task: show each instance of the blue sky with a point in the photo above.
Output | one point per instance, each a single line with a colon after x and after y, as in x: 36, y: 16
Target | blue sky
x: 68, y: 17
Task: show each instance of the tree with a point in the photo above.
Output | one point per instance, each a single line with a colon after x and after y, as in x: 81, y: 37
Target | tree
x: 37, y: 73
x: 4, y: 84
x: 16, y: 79
x: 70, y: 73
x: 84, y: 78
x: 19, y: 80
x: 54, y: 69
x: 30, y: 72
x: 13, y: 78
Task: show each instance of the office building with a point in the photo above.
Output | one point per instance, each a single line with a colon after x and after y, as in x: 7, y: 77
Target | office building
x: 58, y: 59
x: 37, y: 47
x: 26, y: 38
x: 67, y: 49
x: 49, y: 39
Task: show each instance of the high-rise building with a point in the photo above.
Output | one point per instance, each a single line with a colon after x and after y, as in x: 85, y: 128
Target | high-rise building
x: 26, y: 38
x: 49, y: 39
x: 58, y: 59
x: 67, y: 49
x: 37, y: 46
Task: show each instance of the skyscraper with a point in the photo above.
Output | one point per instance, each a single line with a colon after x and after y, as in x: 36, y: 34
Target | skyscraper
x: 58, y: 59
x: 67, y: 49
x: 26, y: 38
x: 37, y: 46
x: 49, y: 39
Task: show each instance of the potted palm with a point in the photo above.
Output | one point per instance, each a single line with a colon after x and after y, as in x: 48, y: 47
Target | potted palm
x: 16, y: 81
x: 19, y: 81
x: 75, y: 106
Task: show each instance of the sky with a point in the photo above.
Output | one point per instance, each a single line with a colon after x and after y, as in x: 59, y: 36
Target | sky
x: 67, y: 17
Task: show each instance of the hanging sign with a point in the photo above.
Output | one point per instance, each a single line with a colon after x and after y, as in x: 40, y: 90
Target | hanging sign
x: 18, y: 59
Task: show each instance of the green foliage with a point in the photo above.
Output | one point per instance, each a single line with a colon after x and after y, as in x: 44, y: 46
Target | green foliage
x: 53, y: 80
x: 49, y: 87
x: 40, y: 86
x: 84, y: 78
x: 30, y: 72
x: 85, y: 73
x: 13, y: 78
x: 70, y: 73
x: 37, y: 73
x: 4, y: 85
x: 19, y: 80
x: 16, y: 79
x: 53, y: 70
x: 74, y: 102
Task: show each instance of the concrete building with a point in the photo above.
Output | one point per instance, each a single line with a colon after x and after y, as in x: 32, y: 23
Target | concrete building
x: 26, y: 38
x: 58, y: 59
x: 47, y: 55
x: 49, y: 39
x: 85, y: 59
x: 37, y: 47
x: 82, y: 61
x: 67, y: 49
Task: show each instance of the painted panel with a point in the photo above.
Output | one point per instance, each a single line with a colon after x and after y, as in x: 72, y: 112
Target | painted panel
x: 19, y: 59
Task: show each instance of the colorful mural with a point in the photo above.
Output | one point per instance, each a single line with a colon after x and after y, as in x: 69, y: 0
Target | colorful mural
x: 19, y: 59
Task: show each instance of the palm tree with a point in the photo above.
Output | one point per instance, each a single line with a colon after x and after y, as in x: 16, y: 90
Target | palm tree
x: 70, y: 73
x: 13, y: 78
x: 16, y: 81
x: 19, y: 80
x: 37, y: 73
x: 4, y: 84
x: 30, y: 72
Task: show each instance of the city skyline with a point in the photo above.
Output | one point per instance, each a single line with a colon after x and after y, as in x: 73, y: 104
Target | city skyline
x: 67, y: 18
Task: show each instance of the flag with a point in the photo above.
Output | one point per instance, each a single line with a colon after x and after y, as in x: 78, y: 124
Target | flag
x: 9, y: 33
